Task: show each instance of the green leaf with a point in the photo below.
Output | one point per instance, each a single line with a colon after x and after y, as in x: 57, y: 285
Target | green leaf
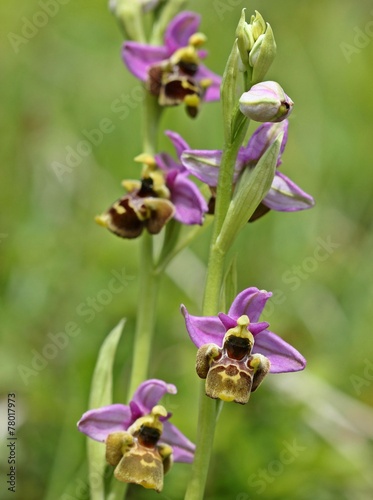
x: 229, y: 92
x: 101, y: 395
x: 253, y: 185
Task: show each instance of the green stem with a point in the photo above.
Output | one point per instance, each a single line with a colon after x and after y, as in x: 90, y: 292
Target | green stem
x: 148, y: 285
x: 224, y: 189
x: 226, y: 170
x: 214, y: 279
x: 205, y: 438
x: 215, y: 267
x: 118, y: 490
x: 130, y: 18
x: 148, y: 282
x: 151, y: 117
x: 208, y: 408
x: 131, y: 21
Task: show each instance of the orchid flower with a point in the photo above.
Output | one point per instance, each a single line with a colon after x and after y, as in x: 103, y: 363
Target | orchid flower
x: 164, y: 192
x: 236, y: 351
x: 173, y: 71
x: 284, y: 195
x: 139, y: 433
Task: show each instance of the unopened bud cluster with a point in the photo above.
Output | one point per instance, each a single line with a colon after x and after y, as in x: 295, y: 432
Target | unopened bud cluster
x: 256, y: 45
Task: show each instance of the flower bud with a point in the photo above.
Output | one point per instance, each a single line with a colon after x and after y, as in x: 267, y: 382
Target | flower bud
x: 262, y: 55
x: 245, y: 38
x: 258, y: 25
x: 266, y: 102
x: 256, y: 45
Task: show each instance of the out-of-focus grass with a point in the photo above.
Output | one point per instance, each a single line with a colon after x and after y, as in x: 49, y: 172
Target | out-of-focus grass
x: 54, y: 258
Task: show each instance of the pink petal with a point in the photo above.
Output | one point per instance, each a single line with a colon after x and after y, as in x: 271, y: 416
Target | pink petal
x: 227, y: 321
x: 180, y: 29
x: 167, y: 163
x: 138, y: 57
x: 203, y: 164
x: 204, y: 329
x: 250, y: 302
x: 286, y: 196
x: 97, y: 424
x: 183, y: 449
x: 190, y: 205
x: 179, y: 144
x: 148, y: 394
x: 283, y: 356
x: 262, y: 138
x: 256, y: 328
x: 213, y: 91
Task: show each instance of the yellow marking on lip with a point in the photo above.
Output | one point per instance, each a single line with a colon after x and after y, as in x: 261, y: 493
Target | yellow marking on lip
x: 151, y: 464
x: 234, y: 378
x: 119, y: 209
x: 225, y: 397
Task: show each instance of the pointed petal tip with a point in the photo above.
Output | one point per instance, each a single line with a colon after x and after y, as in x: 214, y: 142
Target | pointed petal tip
x: 180, y: 29
x: 283, y: 356
x: 297, y: 364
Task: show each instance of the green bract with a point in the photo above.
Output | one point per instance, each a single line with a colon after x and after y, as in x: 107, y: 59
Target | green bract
x: 252, y: 187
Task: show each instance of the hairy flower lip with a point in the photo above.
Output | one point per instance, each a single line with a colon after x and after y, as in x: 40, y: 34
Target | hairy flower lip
x: 99, y: 423
x: 212, y: 329
x: 131, y: 214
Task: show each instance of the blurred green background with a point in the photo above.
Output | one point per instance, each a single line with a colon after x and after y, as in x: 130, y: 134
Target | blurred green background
x: 63, y: 80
